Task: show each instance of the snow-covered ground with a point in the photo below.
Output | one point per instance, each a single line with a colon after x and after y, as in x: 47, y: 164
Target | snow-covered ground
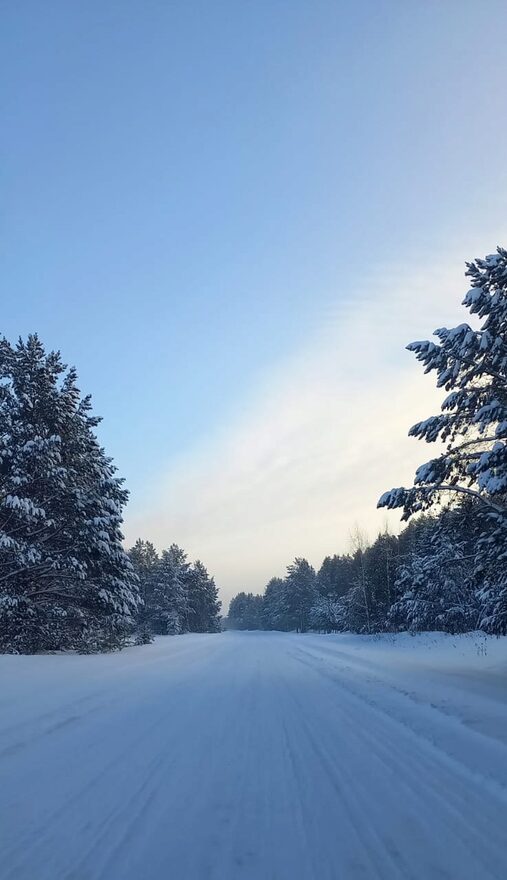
x: 257, y: 755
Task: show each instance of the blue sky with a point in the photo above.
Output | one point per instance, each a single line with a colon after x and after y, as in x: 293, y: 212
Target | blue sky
x: 201, y: 199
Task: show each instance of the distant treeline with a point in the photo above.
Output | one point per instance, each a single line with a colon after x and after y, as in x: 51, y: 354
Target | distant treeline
x: 422, y: 579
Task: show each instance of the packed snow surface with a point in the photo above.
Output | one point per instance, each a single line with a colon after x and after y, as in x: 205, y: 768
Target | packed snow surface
x: 267, y: 756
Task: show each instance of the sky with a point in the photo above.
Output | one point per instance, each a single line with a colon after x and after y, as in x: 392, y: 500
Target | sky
x: 231, y: 217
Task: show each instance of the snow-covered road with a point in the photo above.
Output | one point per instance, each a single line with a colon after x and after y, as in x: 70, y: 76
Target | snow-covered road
x: 257, y: 755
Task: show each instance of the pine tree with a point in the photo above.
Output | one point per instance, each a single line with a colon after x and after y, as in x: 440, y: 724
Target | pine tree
x: 471, y: 364
x: 334, y: 578
x: 145, y: 561
x: 245, y: 611
x: 177, y: 597
x: 65, y: 580
x: 169, y: 599
x: 301, y: 593
x: 380, y: 566
x: 328, y: 614
x: 435, y: 582
x: 203, y: 602
x: 274, y: 606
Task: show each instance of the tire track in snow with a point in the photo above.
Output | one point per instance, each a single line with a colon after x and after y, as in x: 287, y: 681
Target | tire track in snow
x: 250, y: 758
x: 41, y: 839
x: 371, y: 856
x: 420, y: 768
x: 393, y: 702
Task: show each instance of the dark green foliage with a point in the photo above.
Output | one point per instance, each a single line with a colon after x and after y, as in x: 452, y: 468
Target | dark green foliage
x: 436, y: 588
x: 65, y: 580
x: 203, y: 608
x: 286, y: 604
x: 245, y: 612
x: 423, y: 579
x: 144, y: 636
x: 471, y: 364
x: 178, y: 597
x: 274, y: 614
x: 335, y: 576
x: 300, y: 593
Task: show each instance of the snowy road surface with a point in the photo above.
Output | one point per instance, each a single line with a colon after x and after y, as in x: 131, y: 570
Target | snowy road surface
x: 257, y: 755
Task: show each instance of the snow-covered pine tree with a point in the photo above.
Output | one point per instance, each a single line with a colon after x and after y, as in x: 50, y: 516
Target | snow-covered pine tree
x: 145, y: 561
x: 169, y: 606
x: 357, y: 616
x: 65, y: 580
x: 177, y: 597
x: 245, y: 611
x: 435, y: 583
x: 327, y: 614
x: 203, y: 602
x: 380, y: 561
x: 471, y: 364
x: 335, y: 576
x: 301, y: 592
x: 274, y: 605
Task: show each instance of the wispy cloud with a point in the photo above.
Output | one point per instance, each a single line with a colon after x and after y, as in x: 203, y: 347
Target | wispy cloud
x: 323, y: 435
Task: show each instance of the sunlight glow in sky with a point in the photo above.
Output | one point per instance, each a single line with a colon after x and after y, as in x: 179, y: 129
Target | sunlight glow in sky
x: 231, y: 217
